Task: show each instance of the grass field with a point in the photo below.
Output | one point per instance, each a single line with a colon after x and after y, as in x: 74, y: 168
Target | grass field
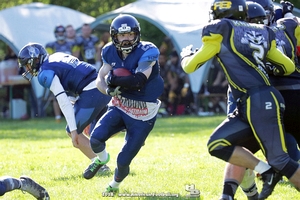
x: 174, y: 157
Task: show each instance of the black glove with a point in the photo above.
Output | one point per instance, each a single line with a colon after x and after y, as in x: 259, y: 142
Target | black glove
x: 113, y: 91
x: 271, y: 69
x: 287, y: 7
x: 110, y: 78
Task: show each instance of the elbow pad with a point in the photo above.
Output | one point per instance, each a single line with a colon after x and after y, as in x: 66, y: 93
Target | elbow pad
x: 132, y: 82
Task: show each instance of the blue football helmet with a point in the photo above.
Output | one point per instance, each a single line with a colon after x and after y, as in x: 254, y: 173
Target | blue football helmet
x: 30, y: 58
x: 125, y: 24
x: 256, y: 13
x: 60, y: 33
x: 269, y: 9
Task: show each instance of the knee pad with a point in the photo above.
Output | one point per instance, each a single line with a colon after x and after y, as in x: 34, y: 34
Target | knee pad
x: 96, y: 145
x: 121, y: 172
x: 220, y: 151
x: 290, y: 168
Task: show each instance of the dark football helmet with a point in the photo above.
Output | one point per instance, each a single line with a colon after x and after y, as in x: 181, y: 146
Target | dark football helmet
x: 30, y: 58
x: 256, y: 13
x: 60, y: 33
x: 125, y: 24
x: 230, y: 9
x: 269, y: 9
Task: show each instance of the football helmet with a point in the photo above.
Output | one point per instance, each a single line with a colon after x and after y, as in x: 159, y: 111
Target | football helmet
x: 30, y: 58
x: 122, y: 24
x: 256, y: 13
x: 230, y: 9
x: 60, y: 33
x: 269, y: 9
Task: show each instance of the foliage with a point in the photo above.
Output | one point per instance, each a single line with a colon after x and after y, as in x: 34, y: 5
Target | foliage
x: 174, y: 155
x: 295, y: 2
x: 91, y: 7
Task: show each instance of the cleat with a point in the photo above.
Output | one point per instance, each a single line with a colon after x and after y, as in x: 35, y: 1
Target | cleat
x: 93, y: 168
x: 30, y: 186
x: 254, y: 197
x: 270, y: 178
x: 111, y: 189
x: 103, y: 169
x: 226, y: 197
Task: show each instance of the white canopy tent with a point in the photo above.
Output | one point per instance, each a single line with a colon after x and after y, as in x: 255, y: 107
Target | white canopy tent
x: 35, y: 22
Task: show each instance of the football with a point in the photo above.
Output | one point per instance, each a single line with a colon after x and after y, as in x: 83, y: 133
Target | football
x: 121, y: 72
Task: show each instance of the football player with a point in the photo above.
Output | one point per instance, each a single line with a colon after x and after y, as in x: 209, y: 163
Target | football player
x: 59, y: 45
x: 287, y: 37
x: 86, y: 47
x: 134, y: 103
x: 61, y: 73
x: 241, y: 49
x: 24, y: 183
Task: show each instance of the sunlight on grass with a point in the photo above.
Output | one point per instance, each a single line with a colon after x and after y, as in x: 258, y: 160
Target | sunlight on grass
x: 174, y: 155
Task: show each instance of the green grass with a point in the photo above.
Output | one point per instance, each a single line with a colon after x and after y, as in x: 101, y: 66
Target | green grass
x: 175, y: 155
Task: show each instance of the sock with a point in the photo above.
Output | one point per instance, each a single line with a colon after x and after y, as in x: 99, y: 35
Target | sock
x: 262, y: 167
x: 229, y: 188
x: 248, y: 184
x: 102, y: 155
x: 114, y: 184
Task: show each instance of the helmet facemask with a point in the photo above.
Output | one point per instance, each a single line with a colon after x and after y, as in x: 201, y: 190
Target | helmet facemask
x: 126, y: 46
x: 125, y: 24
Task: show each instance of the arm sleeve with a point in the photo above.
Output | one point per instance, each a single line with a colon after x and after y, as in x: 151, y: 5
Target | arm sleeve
x: 283, y: 64
x: 64, y: 103
x: 211, y: 46
x: 134, y: 82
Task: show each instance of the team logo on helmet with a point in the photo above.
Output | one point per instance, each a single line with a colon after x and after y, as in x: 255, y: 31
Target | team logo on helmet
x: 33, y: 52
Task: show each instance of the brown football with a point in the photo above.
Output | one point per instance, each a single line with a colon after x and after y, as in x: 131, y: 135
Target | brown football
x: 122, y: 72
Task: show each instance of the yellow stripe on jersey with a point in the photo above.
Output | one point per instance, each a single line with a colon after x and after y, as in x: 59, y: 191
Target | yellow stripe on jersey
x: 210, y: 47
x: 279, y: 123
x: 281, y: 131
x: 221, y: 142
x: 280, y: 60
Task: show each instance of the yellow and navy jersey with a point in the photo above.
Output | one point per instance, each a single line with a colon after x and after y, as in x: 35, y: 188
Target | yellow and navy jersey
x: 87, y: 48
x: 66, y: 47
x: 287, y: 33
x: 241, y: 49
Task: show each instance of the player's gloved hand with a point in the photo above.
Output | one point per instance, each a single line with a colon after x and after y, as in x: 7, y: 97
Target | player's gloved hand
x: 287, y: 7
x: 271, y: 69
x: 188, y: 51
x: 110, y: 78
x: 113, y: 91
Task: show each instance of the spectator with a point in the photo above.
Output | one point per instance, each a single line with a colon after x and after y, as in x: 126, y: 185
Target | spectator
x: 86, y: 47
x: 103, y: 41
x: 215, y: 90
x: 70, y: 33
x: 166, y: 46
x: 163, y: 72
x: 179, y: 87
